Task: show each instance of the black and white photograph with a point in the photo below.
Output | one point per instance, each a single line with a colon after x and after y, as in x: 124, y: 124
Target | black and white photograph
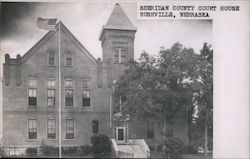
x: 115, y: 79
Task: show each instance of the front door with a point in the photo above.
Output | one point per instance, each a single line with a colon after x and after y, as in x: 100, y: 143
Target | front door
x: 120, y: 134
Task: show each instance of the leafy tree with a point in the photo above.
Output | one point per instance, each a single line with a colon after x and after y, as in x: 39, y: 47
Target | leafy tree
x: 202, y: 126
x: 101, y: 146
x: 158, y: 87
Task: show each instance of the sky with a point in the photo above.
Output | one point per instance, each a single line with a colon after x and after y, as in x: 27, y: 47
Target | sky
x: 85, y: 20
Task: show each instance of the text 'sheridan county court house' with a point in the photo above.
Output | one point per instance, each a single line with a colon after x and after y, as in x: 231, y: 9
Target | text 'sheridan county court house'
x: 31, y: 96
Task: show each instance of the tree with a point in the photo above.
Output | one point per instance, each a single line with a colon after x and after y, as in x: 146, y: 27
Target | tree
x: 101, y: 146
x: 158, y: 87
x: 203, y: 96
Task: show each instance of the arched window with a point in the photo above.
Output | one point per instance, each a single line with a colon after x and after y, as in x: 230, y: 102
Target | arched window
x: 51, y: 58
x: 68, y: 60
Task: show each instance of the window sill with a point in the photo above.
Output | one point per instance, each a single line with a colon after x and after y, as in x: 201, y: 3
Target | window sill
x: 51, y: 65
x: 33, y: 140
x: 32, y: 106
x: 51, y: 139
x: 68, y: 65
x: 69, y: 139
x: 86, y: 107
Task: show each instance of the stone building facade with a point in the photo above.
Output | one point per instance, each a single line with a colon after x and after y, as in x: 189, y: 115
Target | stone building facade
x: 31, y: 89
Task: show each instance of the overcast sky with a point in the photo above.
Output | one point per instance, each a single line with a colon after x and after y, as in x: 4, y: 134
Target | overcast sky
x: 85, y: 20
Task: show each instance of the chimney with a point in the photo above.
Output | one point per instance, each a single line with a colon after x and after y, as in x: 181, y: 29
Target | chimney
x: 18, y: 70
x: 6, y: 70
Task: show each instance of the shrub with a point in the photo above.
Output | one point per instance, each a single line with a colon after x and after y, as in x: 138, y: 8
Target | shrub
x: 49, y: 150
x: 84, y: 150
x: 69, y: 150
x: 159, y: 148
x: 174, y: 146
x: 101, y: 145
x: 31, y: 151
x: 189, y: 150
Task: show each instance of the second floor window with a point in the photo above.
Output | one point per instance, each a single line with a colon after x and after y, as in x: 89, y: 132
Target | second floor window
x: 68, y: 59
x: 51, y: 58
x: 69, y: 93
x: 85, y: 92
x: 32, y: 92
x: 32, y: 129
x: 51, y: 98
x: 69, y: 128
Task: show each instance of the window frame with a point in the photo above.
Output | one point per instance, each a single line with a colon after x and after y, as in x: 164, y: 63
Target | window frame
x: 53, y: 88
x: 66, y: 58
x: 119, y: 49
x: 28, y: 129
x: 66, y: 128
x: 87, y: 88
x: 93, y: 128
x: 68, y: 88
x: 48, y: 128
x: 33, y: 88
x: 48, y: 58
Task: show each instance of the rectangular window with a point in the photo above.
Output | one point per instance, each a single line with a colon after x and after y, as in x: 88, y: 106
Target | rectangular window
x: 69, y: 91
x: 68, y: 59
x: 51, y: 97
x: 32, y: 92
x: 119, y: 55
x: 51, y: 129
x: 150, y: 130
x: 95, y: 126
x: 69, y: 129
x: 85, y: 92
x: 51, y: 58
x: 32, y: 129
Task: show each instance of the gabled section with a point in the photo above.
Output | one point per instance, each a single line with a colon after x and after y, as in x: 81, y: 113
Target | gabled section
x: 50, y: 34
x: 118, y: 20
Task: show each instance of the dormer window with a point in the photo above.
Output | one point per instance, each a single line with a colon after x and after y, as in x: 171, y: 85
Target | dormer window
x: 51, y: 58
x: 68, y: 59
x: 120, y: 55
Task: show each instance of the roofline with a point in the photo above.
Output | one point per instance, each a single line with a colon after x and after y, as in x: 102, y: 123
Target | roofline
x: 49, y: 34
x: 104, y: 27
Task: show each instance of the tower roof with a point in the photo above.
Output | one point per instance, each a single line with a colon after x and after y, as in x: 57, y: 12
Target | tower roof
x: 118, y: 20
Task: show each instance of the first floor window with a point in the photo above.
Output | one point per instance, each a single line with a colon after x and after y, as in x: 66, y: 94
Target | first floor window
x: 32, y: 129
x: 150, y: 130
x: 51, y: 129
x: 69, y: 129
x: 95, y: 126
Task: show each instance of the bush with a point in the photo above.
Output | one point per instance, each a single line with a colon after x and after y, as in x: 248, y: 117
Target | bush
x: 174, y: 146
x: 31, y: 151
x: 84, y: 150
x: 101, y: 145
x: 189, y: 150
x: 69, y: 150
x: 159, y: 148
x: 49, y: 150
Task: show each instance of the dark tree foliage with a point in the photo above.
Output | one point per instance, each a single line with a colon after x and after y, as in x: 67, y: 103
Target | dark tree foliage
x: 101, y: 145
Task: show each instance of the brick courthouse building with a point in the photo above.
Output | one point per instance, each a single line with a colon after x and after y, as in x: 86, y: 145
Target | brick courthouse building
x: 31, y: 96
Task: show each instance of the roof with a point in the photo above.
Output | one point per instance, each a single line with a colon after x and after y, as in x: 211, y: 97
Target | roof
x: 50, y: 34
x: 118, y: 20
